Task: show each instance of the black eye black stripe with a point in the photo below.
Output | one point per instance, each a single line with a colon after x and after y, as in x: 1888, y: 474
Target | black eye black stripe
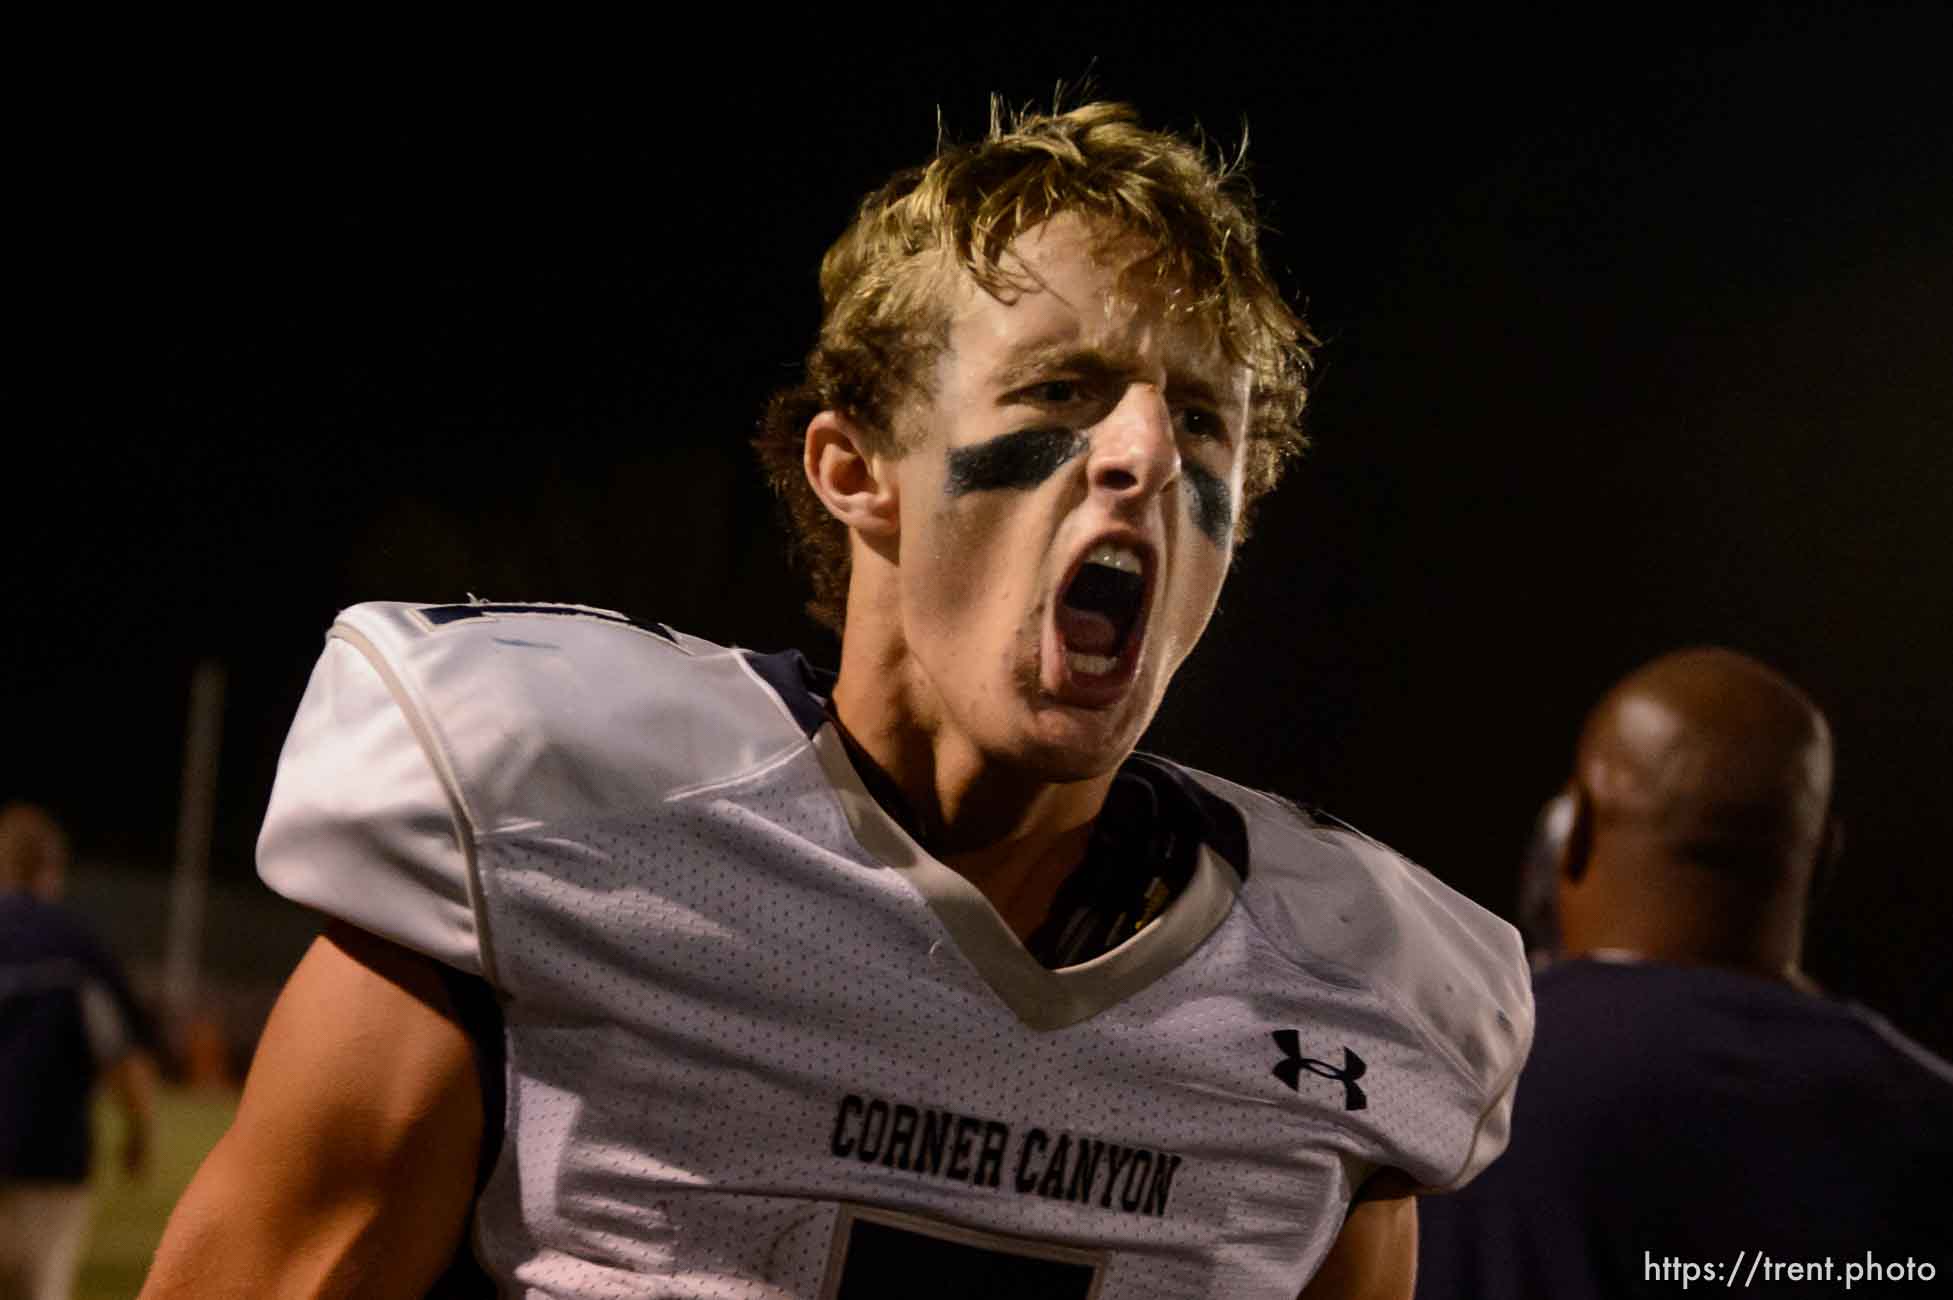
x: 1026, y: 458
x: 1213, y: 501
x: 1012, y: 460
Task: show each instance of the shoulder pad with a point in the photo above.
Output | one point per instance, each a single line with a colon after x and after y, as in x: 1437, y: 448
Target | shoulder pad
x: 429, y: 727
x: 542, y: 712
x: 360, y: 826
x: 1353, y: 912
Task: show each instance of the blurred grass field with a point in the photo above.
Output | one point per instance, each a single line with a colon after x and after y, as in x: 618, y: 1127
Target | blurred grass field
x: 129, y: 1217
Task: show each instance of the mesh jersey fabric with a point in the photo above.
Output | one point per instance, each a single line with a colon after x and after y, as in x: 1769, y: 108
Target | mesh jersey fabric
x: 1695, y: 1113
x: 755, y: 1035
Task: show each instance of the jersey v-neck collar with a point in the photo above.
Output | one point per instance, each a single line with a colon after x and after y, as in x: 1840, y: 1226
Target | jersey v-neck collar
x: 1043, y: 999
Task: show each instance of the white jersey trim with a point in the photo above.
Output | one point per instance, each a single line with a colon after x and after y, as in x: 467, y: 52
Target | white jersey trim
x: 1497, y: 1116
x: 1043, y: 999
x: 437, y: 757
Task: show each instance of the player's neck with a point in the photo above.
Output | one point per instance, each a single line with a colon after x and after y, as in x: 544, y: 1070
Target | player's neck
x: 1012, y: 833
x: 956, y: 801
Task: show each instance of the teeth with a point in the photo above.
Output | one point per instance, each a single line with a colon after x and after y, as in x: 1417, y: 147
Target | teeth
x: 1122, y: 558
x: 1090, y: 665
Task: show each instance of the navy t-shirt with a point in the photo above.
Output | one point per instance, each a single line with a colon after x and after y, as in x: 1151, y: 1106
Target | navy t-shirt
x: 65, y: 1011
x: 1686, y: 1113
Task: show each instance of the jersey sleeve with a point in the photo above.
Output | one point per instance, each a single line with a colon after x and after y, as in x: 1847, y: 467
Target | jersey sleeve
x: 1437, y: 988
x: 1458, y: 979
x: 362, y: 826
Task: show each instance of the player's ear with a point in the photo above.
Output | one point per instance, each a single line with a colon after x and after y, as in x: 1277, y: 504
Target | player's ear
x: 851, y: 480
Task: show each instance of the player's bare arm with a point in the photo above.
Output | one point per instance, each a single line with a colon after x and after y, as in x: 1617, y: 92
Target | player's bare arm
x: 1375, y: 1255
x: 350, y: 1166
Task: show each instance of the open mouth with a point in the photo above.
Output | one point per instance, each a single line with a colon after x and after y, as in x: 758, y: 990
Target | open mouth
x: 1100, y: 611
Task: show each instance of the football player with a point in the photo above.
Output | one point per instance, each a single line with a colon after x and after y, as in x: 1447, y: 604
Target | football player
x: 663, y: 968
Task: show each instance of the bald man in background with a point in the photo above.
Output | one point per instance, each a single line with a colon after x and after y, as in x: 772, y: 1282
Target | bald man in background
x: 1692, y: 1098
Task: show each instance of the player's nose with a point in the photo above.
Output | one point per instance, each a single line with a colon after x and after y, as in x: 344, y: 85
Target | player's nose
x: 1133, y: 450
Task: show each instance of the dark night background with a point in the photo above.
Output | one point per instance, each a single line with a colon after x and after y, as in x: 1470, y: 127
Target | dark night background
x: 1636, y: 336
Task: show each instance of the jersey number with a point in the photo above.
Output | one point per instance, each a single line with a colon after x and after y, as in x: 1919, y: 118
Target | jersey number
x: 880, y: 1255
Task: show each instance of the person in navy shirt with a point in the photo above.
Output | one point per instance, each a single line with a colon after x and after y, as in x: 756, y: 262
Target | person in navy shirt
x: 67, y: 1022
x: 1692, y: 1098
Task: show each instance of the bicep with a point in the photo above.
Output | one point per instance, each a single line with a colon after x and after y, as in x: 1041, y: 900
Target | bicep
x: 354, y: 1144
x: 1375, y: 1254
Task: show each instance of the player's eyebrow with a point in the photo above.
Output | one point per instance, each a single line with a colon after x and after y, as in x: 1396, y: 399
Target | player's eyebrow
x: 1188, y: 386
x: 1038, y: 358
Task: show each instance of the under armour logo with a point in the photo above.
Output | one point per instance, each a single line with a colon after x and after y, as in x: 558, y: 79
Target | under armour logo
x: 1289, y: 1068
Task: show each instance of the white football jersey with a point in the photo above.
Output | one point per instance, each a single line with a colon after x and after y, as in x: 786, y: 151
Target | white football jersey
x: 760, y: 1044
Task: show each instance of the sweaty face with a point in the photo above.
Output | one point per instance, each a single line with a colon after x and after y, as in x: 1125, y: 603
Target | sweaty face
x: 1067, y: 503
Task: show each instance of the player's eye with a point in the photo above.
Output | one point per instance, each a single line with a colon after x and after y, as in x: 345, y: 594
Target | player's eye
x: 1055, y: 392
x: 1199, y: 422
